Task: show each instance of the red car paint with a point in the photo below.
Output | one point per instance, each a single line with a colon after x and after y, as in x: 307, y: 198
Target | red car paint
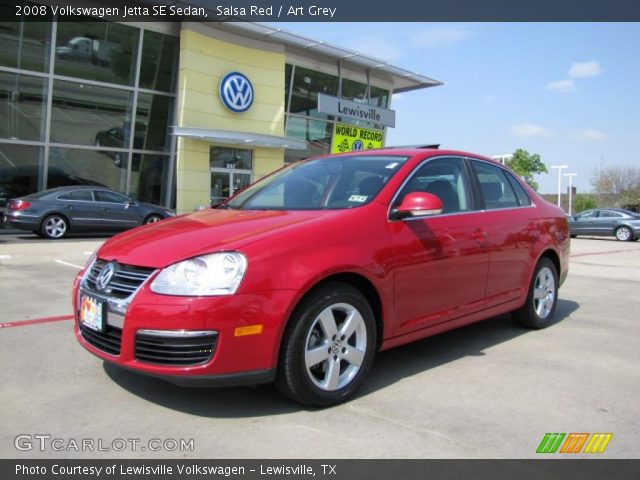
x: 429, y: 275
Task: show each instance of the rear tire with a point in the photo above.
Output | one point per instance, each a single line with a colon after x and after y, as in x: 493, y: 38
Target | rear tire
x: 624, y: 234
x: 54, y: 227
x: 538, y: 310
x: 328, y: 347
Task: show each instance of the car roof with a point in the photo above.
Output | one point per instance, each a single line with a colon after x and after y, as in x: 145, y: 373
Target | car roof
x: 613, y: 209
x: 413, y: 150
x: 69, y: 188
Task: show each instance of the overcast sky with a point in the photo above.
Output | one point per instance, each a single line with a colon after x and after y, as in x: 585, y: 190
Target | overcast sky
x: 567, y: 91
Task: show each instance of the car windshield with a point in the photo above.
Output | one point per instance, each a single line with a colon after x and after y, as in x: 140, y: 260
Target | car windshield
x: 324, y: 183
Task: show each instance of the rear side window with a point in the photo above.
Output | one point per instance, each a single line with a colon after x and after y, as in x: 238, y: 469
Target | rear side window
x: 112, y: 197
x: 521, y: 193
x: 610, y: 214
x: 78, y: 195
x: 496, y: 189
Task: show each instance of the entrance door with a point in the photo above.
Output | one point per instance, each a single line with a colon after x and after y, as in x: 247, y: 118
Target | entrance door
x: 231, y: 170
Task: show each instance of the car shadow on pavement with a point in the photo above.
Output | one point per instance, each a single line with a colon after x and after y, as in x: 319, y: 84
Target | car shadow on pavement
x: 389, y: 367
x: 224, y: 402
x: 396, y: 364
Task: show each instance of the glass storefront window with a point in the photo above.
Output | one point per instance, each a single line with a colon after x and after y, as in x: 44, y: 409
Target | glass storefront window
x: 20, y: 170
x: 159, y: 58
x: 306, y: 85
x: 22, y: 106
x: 24, y: 45
x: 86, y: 167
x: 230, y: 158
x: 88, y: 115
x: 149, y: 178
x: 94, y: 50
x: 317, y: 134
x: 153, y: 115
x: 353, y: 90
x: 379, y: 97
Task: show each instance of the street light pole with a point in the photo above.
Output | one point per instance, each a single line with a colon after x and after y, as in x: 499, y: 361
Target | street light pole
x: 570, y: 175
x: 560, y: 168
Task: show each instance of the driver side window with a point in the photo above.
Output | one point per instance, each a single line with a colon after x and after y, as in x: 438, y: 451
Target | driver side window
x: 444, y: 178
x: 589, y: 214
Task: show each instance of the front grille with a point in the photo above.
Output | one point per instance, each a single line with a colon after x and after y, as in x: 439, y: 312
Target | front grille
x: 175, y: 350
x: 108, y: 341
x: 126, y: 278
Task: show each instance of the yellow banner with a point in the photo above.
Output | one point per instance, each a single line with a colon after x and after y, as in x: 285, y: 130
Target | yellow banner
x: 349, y: 138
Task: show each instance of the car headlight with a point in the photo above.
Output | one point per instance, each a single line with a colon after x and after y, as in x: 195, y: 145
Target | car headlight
x: 214, y: 274
x: 169, y: 213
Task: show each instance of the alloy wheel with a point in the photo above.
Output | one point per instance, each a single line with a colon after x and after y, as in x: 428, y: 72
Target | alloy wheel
x: 544, y: 292
x: 335, y: 347
x: 623, y: 234
x: 55, y: 227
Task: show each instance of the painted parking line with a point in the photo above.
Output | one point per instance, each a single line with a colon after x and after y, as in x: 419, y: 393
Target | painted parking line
x: 36, y: 321
x: 600, y: 253
x: 73, y: 265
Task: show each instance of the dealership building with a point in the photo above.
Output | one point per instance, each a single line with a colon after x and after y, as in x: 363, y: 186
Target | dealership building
x: 180, y: 114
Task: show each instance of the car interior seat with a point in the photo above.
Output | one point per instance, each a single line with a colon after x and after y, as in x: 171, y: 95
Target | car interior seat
x: 445, y: 192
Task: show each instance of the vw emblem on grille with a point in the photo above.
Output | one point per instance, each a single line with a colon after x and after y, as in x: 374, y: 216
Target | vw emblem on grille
x: 236, y: 92
x: 105, y: 276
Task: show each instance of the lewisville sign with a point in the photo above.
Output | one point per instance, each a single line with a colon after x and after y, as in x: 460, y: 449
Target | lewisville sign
x: 360, y: 111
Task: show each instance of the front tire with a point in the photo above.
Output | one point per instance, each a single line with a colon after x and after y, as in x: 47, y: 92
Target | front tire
x: 538, y: 310
x: 152, y: 219
x: 624, y: 234
x: 54, y: 227
x: 328, y: 348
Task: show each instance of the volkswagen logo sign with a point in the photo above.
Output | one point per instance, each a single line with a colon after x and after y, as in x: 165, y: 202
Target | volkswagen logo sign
x: 236, y: 92
x: 105, y: 276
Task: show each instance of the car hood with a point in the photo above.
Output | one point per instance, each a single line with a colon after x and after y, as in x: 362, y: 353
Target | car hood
x: 164, y: 243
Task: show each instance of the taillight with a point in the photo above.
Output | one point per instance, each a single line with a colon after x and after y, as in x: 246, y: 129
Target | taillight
x: 19, y: 205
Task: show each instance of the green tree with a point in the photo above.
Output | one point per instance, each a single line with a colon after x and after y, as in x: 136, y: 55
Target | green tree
x: 527, y: 165
x: 585, y: 202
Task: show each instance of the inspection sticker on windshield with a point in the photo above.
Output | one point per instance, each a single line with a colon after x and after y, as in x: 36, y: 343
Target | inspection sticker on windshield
x: 392, y: 165
x: 358, y: 198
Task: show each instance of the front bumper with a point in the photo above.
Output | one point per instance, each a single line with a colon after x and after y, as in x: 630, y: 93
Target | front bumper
x: 233, y: 359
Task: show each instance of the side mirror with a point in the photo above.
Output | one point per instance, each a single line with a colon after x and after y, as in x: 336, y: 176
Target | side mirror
x: 417, y: 204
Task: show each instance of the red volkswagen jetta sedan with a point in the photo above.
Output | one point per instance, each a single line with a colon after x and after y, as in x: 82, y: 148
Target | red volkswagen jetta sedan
x: 302, y: 277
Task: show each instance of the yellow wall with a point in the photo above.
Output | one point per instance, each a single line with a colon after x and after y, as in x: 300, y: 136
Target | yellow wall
x: 203, y: 63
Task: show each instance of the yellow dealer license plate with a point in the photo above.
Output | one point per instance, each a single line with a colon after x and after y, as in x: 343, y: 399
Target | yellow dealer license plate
x: 92, y: 313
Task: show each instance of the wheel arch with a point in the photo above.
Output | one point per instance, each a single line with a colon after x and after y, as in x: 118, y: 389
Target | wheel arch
x: 552, y: 255
x: 152, y: 214
x: 56, y: 212
x: 356, y: 280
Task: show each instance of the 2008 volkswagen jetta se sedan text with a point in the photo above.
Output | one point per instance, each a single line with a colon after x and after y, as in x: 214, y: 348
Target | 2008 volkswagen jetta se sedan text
x: 302, y: 277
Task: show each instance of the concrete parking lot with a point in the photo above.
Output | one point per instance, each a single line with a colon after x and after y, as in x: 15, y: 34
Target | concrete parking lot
x: 490, y: 390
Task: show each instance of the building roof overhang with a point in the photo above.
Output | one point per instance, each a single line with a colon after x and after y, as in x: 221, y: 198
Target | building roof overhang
x: 239, y: 139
